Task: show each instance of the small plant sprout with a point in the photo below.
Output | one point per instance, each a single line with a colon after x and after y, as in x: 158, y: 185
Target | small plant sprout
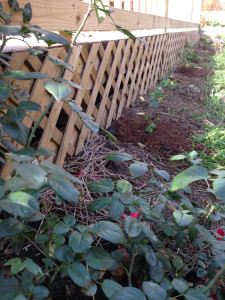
x: 151, y: 126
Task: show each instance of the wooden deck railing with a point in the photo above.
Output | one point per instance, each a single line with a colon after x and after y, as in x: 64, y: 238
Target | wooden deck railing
x: 57, y: 14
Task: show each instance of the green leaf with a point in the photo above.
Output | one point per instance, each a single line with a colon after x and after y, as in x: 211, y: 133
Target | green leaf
x: 99, y: 204
x: 22, y: 75
x: 91, y: 125
x: 188, y: 176
x: 110, y: 136
x: 123, y: 186
x: 132, y: 227
x: 149, y: 233
x: 180, y: 285
x: 15, y: 114
x: 21, y: 95
x: 32, y: 267
x: 101, y: 186
x: 195, y: 294
x: 138, y: 169
x: 166, y: 284
x: 37, y: 50
x: 219, y: 188
x: 64, y: 188
x: 21, y: 204
x: 193, y: 232
x: 40, y: 292
x: 220, y: 173
x: 52, y: 168
x: 79, y: 274
x: 178, y: 157
x: 80, y: 242
x: 58, y: 90
x: 49, y: 35
x: 90, y: 289
x: 2, y: 191
x: 64, y: 254
x: 162, y: 174
x: 119, y: 157
x: 71, y: 83
x: 32, y: 173
x: 45, y: 152
x: 61, y: 228
x: 29, y: 106
x: 157, y: 272
x: 10, y: 30
x: 116, y: 209
x: 110, y: 287
x: 130, y: 293
x: 17, y: 131
x: 205, y: 233
x: 109, y: 231
x: 201, y: 273
x: 16, y: 265
x: 16, y: 183
x: 100, y: 10
x: 74, y: 106
x: 98, y: 258
x: 27, y: 14
x: 154, y: 291
x: 19, y: 157
x: 10, y: 289
x: 178, y: 262
x: 59, y: 62
x: 151, y: 257
x: 10, y: 227
x: 181, y: 218
x: 4, y: 89
x: 126, y: 32
x: 69, y: 220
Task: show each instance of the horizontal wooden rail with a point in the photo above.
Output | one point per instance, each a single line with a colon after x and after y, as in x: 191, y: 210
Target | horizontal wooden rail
x: 57, y: 14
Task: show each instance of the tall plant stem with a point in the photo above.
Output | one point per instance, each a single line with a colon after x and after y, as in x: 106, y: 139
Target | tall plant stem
x: 214, y: 280
x: 131, y: 267
x: 52, y: 99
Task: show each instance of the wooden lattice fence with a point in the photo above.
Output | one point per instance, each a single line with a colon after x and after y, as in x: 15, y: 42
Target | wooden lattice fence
x: 111, y: 73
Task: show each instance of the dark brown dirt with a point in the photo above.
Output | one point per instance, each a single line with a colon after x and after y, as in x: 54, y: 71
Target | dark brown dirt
x: 169, y: 137
x: 193, y: 71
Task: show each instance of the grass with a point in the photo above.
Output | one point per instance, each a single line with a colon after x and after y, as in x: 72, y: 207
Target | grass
x: 214, y: 128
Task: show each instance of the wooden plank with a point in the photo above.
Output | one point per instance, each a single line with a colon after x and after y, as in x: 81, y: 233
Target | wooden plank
x: 140, y: 71
x: 109, y: 82
x: 73, y: 116
x: 56, y: 14
x: 144, y: 81
x: 90, y: 108
x: 159, y: 60
x: 57, y: 106
x: 150, y: 74
x: 128, y: 76
x: 118, y: 82
x: 135, y: 72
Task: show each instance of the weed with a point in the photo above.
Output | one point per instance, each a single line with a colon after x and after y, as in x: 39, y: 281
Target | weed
x: 151, y: 126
